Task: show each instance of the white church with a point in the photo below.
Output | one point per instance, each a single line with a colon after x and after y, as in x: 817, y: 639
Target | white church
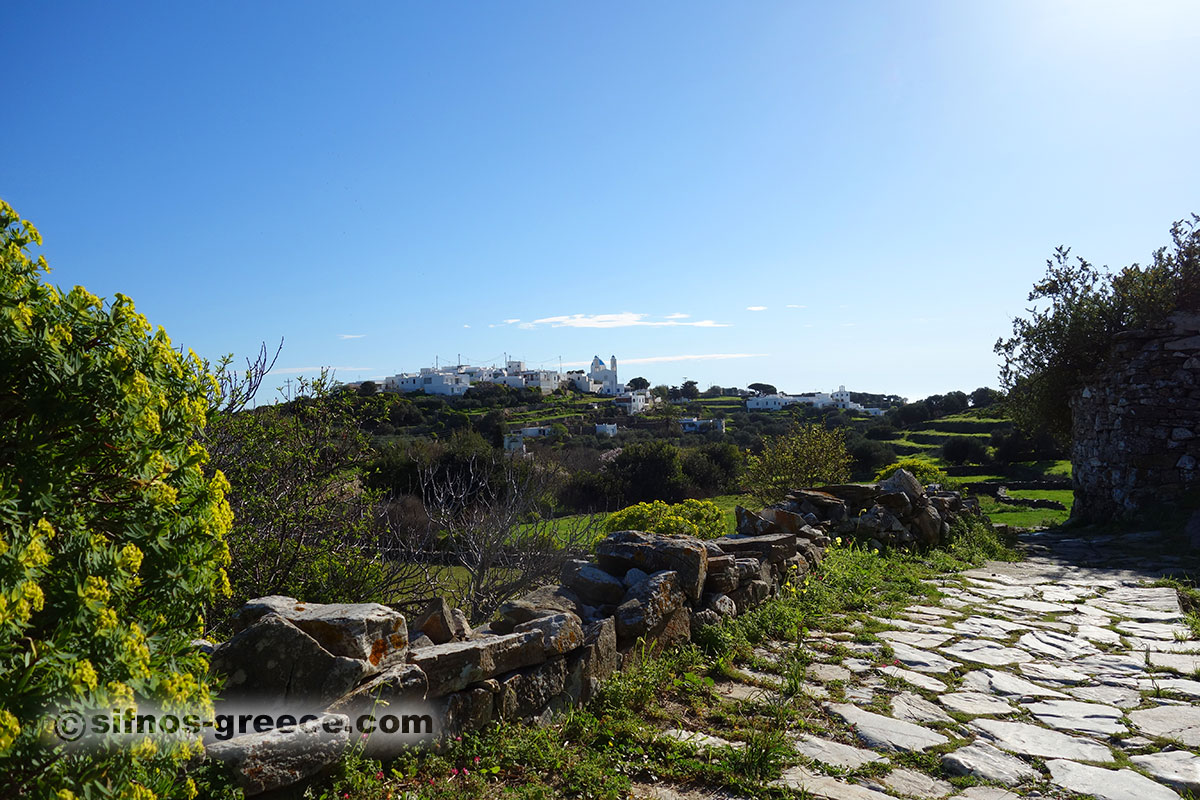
x: 457, y: 379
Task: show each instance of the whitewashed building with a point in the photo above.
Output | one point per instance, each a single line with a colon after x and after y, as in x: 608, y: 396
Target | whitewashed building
x: 606, y: 429
x: 634, y: 402
x: 606, y: 377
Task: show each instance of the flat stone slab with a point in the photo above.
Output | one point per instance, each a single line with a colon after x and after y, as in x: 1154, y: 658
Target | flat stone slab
x: 1139, y: 645
x: 988, y: 627
x: 826, y: 673
x: 742, y: 691
x: 1159, y: 598
x: 985, y: 793
x: 1136, y: 612
x: 988, y: 763
x: 1031, y: 740
x: 1042, y: 671
x: 1040, y: 606
x: 886, y: 733
x: 1176, y: 768
x: 1057, y: 645
x: 992, y: 589
x: 921, y: 660
x: 1108, y: 695
x: 1106, y: 784
x: 1183, y: 686
x: 701, y: 741
x: 925, y: 682
x: 915, y: 638
x: 997, y: 682
x: 835, y: 753
x: 1155, y: 630
x: 911, y: 783
x: 1187, y: 663
x: 935, y: 611
x: 913, y: 708
x: 1095, y: 633
x: 1075, y: 715
x: 825, y: 787
x: 985, y: 652
x: 976, y: 703
x: 1178, y: 723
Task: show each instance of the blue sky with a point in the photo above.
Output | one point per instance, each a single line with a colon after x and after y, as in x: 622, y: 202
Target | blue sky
x: 808, y: 194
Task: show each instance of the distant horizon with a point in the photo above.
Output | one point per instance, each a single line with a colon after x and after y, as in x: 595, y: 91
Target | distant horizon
x: 800, y: 194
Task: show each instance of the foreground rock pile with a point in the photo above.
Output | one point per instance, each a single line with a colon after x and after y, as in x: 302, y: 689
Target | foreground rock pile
x: 546, y: 650
x: 898, y: 511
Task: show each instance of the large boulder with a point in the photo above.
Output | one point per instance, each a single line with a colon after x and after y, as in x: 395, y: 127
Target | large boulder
x: 273, y: 660
x: 903, y: 481
x: 468, y: 710
x: 856, y: 496
x: 648, y: 605
x: 454, y: 666
x: 398, y: 691
x: 827, y: 506
x: 263, y: 762
x: 591, y: 583
x: 619, y: 552
x: 366, y: 631
x: 926, y: 526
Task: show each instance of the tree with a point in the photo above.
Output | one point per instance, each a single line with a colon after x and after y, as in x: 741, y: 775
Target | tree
x: 492, y: 519
x: 689, y: 390
x: 1079, y: 311
x: 961, y: 449
x: 809, y: 455
x: 645, y: 471
x: 637, y: 384
x: 983, y: 397
x: 712, y: 391
x: 112, y: 530
x: 762, y: 388
x: 367, y: 388
x: 662, y: 391
x: 303, y: 524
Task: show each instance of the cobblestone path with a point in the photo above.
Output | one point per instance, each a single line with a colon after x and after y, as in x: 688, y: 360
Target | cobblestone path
x: 1062, y: 675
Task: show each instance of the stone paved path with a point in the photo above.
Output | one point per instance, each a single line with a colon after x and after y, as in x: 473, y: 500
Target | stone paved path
x: 1062, y: 675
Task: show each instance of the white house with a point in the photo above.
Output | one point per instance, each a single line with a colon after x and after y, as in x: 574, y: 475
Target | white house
x: 431, y: 381
x: 634, y: 402
x: 838, y: 399
x: 606, y: 429
x: 773, y: 402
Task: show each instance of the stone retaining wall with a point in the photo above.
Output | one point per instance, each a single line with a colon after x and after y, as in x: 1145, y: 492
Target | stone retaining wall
x: 1136, y: 435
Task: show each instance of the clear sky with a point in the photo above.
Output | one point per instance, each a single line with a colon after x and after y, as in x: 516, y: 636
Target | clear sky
x: 807, y: 194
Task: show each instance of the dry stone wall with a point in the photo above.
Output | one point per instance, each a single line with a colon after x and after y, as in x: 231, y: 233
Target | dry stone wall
x: 546, y: 650
x: 1136, y: 436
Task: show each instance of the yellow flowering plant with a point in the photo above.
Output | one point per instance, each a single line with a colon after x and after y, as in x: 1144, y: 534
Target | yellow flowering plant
x: 699, y: 518
x: 112, y: 535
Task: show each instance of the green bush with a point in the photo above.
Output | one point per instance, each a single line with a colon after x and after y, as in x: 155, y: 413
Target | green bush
x: 111, y: 533
x: 808, y: 455
x: 699, y: 518
x: 924, y: 471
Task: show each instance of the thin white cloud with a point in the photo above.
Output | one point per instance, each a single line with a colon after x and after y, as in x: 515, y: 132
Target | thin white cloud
x: 299, y: 370
x: 466, y: 326
x: 666, y: 359
x: 625, y: 319
x: 511, y: 321
x: 795, y: 305
x: 756, y: 308
x: 677, y: 315
x: 351, y: 335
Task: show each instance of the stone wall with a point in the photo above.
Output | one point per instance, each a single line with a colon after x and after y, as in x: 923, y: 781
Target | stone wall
x: 1136, y: 436
x: 546, y: 650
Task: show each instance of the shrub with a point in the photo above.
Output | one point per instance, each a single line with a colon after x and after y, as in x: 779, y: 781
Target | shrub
x: 807, y: 456
x: 924, y: 471
x: 1063, y: 339
x: 699, y: 518
x: 111, y: 533
x: 963, y: 449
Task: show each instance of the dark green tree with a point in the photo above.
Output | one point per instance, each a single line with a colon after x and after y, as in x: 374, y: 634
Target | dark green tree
x: 639, y: 383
